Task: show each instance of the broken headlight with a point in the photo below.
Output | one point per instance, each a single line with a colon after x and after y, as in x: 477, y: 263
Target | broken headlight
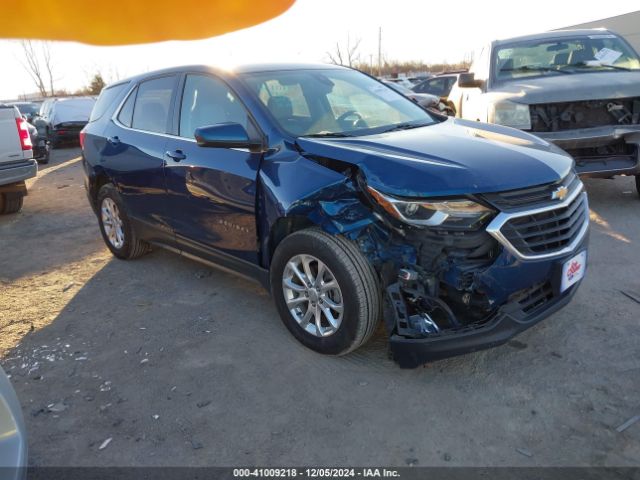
x: 458, y: 214
x: 510, y: 114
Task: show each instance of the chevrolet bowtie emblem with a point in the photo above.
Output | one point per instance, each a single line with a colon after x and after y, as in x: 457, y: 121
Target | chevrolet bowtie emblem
x: 560, y: 193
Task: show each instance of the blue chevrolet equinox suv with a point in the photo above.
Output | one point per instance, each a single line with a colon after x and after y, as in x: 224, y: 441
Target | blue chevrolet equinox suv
x: 349, y: 202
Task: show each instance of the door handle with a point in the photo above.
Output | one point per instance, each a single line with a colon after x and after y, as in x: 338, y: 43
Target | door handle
x: 114, y: 140
x: 176, y: 155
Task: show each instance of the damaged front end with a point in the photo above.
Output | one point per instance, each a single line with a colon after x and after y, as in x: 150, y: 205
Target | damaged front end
x: 473, y: 282
x: 603, y: 136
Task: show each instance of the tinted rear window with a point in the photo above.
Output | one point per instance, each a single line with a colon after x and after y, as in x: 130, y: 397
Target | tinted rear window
x: 105, y: 100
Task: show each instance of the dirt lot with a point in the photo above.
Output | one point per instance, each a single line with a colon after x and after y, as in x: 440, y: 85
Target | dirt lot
x: 181, y: 365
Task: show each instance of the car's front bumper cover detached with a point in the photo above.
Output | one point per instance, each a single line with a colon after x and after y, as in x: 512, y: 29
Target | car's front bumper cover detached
x: 508, y: 322
x: 525, y: 281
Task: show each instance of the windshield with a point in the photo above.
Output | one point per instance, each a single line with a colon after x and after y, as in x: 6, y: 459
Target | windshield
x: 580, y: 54
x: 333, y: 102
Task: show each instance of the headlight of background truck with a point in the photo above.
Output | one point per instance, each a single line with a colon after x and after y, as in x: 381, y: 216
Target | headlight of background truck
x: 457, y: 214
x: 510, y: 114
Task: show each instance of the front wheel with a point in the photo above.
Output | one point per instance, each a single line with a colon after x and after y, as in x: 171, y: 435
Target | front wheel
x: 116, y: 228
x: 326, y: 291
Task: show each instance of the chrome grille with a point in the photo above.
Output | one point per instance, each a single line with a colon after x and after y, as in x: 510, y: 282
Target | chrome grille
x: 547, y: 231
x: 532, y: 196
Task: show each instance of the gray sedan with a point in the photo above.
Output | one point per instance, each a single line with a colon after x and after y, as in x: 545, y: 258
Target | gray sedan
x: 13, y: 443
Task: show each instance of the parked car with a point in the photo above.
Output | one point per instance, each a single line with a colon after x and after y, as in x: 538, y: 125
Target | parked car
x: 579, y: 89
x: 61, y: 119
x: 423, y: 99
x: 16, y: 159
x: 439, y: 85
x: 13, y: 444
x: 341, y: 196
x: 28, y: 109
x: 41, y: 147
x: 404, y: 81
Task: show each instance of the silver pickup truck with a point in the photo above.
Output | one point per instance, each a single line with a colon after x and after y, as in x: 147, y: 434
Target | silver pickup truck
x: 579, y: 89
x: 16, y: 159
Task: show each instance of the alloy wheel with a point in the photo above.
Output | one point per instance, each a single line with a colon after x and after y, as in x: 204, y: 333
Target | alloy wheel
x: 112, y: 223
x: 313, y: 295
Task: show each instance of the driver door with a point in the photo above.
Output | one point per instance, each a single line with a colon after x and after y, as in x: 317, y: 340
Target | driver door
x: 211, y: 191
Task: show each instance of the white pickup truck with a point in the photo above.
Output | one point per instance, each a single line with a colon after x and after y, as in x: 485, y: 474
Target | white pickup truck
x: 16, y: 159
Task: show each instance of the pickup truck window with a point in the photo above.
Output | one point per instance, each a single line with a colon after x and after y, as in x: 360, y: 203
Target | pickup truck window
x: 563, y: 55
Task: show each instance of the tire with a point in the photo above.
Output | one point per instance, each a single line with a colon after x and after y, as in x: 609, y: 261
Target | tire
x: 358, y: 290
x: 123, y: 241
x: 54, y: 142
x: 11, y: 202
x: 638, y: 184
x: 47, y: 156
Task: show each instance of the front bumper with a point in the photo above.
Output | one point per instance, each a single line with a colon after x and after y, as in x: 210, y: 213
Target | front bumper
x: 604, y: 166
x: 508, y: 322
x: 18, y: 171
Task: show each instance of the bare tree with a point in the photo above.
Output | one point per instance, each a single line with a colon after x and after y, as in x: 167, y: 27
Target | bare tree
x: 347, y: 55
x: 46, y: 55
x: 37, y: 65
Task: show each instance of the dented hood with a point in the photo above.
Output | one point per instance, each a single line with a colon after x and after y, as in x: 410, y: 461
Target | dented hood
x: 455, y: 157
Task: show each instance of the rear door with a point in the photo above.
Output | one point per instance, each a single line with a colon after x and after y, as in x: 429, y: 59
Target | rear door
x: 211, y: 192
x: 134, y: 153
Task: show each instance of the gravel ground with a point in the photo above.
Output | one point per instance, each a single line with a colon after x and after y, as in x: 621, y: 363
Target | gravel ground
x: 178, y: 364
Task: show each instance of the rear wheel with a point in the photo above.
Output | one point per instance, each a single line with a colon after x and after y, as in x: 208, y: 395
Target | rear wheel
x: 47, y: 155
x: 326, y: 291
x: 116, y: 228
x: 11, y: 202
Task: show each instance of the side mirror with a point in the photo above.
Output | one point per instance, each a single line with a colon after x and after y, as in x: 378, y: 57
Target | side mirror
x: 468, y: 80
x: 224, y: 135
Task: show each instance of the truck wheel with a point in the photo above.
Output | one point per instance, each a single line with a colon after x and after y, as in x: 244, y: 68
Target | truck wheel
x: 11, y: 202
x: 115, y: 226
x: 326, y: 291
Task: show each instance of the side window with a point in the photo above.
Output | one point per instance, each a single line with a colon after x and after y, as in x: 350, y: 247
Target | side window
x: 126, y: 112
x: 151, y: 109
x: 437, y: 86
x: 481, y: 65
x: 208, y: 101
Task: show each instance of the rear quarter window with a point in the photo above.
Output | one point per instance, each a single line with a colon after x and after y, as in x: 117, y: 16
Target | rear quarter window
x: 105, y: 100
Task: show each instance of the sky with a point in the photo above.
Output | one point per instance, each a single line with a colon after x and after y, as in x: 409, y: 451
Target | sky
x: 425, y: 30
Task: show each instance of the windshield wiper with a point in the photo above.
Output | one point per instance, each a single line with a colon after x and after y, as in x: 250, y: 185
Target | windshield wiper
x: 531, y: 68
x: 327, y: 135
x: 404, y: 126
x: 599, y: 65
